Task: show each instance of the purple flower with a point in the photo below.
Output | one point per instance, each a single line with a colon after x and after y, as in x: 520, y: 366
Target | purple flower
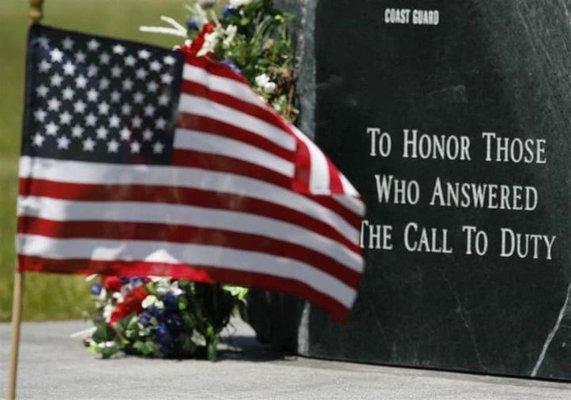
x: 96, y: 289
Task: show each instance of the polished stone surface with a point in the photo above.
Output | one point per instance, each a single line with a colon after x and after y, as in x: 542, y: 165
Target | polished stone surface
x: 489, y: 66
x: 54, y: 366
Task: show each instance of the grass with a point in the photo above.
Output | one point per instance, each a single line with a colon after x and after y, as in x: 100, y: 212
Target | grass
x: 49, y: 296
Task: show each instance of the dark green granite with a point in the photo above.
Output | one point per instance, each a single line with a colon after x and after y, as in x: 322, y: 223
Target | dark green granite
x: 494, y: 65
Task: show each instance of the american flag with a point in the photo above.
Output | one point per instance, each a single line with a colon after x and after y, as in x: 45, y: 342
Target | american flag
x: 139, y: 161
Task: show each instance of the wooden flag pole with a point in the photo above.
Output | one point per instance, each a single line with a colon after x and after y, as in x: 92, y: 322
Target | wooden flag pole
x: 17, y: 301
x: 36, y: 11
x: 35, y: 16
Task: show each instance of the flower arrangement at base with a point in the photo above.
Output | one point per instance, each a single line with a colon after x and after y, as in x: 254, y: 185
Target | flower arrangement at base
x: 170, y: 318
x: 161, y: 317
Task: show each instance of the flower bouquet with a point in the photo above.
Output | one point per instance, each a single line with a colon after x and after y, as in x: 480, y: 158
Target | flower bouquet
x: 170, y: 318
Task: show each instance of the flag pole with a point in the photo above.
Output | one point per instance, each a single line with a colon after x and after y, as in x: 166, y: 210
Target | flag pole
x: 35, y: 15
x: 16, y: 326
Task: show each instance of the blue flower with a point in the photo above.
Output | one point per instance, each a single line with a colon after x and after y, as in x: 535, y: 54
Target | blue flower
x: 228, y: 11
x: 192, y: 25
x: 171, y: 301
x: 96, y: 289
x: 165, y: 339
x: 145, y: 318
x: 232, y: 66
x: 174, y: 324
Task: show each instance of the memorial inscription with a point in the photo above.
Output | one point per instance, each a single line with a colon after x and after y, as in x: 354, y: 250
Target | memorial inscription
x: 454, y: 127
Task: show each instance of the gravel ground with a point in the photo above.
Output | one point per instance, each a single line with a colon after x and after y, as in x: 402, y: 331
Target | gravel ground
x: 54, y: 366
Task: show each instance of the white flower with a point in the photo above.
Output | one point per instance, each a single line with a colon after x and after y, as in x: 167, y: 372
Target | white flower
x: 151, y: 300
x: 206, y: 4
x: 210, y: 41
x: 239, y: 3
x: 118, y: 296
x: 107, y: 311
x: 270, y: 87
x: 230, y: 34
x: 103, y: 345
x: 176, y: 290
x: 263, y: 82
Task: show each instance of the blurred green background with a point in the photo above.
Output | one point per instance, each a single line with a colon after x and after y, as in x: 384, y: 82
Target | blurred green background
x: 49, y: 296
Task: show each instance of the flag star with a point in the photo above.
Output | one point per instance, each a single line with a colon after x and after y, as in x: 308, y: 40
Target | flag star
x: 164, y: 100
x: 147, y: 135
x: 38, y: 140
x: 114, y: 121
x: 112, y: 146
x: 65, y: 118
x: 92, y: 70
x: 138, y: 98
x: 40, y: 115
x: 127, y: 84
x: 116, y: 71
x: 80, y: 57
x: 68, y: 93
x: 90, y: 120
x: 68, y: 43
x: 56, y: 80
x: 160, y: 123
x: 166, y: 78
x: 136, y: 122
x: 118, y: 49
x: 43, y: 41
x: 144, y: 54
x: 126, y: 109
x: 68, y: 68
x: 88, y: 144
x: 115, y: 96
x: 42, y: 91
x: 56, y: 55
x: 102, y: 132
x: 76, y: 131
x: 52, y: 129
x: 54, y: 104
x: 152, y: 86
x: 104, y: 83
x: 103, y: 108
x: 169, y: 60
x: 155, y: 66
x: 44, y: 66
x: 135, y: 147
x: 92, y: 95
x: 141, y: 73
x: 158, y: 148
x: 63, y: 143
x: 104, y: 58
x: 93, y: 45
x: 130, y: 61
x: 149, y: 110
x: 79, y: 107
x: 81, y: 82
x: 125, y: 134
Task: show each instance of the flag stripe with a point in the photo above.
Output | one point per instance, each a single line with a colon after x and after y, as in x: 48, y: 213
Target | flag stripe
x: 183, y: 196
x: 264, y: 281
x: 94, y: 173
x: 206, y: 143
x: 186, y: 234
x: 191, y: 254
x: 64, y: 210
x: 196, y: 105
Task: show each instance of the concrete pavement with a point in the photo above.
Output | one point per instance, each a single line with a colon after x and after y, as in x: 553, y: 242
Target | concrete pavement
x: 54, y: 366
